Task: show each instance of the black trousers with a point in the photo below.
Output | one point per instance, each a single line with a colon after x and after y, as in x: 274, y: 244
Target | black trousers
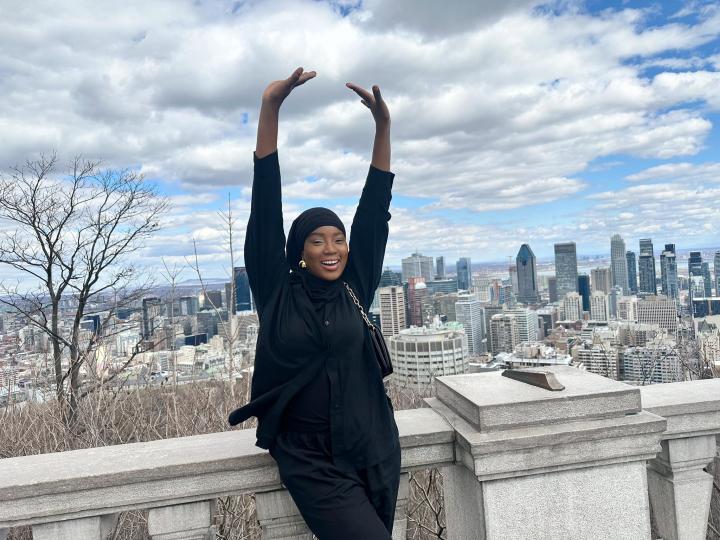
x: 337, y: 503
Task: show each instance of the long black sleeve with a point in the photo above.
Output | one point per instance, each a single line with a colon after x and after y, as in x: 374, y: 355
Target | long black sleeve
x: 369, y: 233
x: 265, y: 238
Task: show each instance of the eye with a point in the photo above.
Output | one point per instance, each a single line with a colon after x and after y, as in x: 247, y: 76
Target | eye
x: 340, y: 241
x: 317, y: 242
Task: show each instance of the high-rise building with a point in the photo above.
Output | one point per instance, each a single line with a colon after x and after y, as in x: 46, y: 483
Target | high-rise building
x: 440, y: 267
x: 656, y: 363
x: 601, y: 281
x: 599, y: 308
x: 392, y: 310
x: 584, y: 290
x: 504, y: 333
x: 150, y: 312
x: 632, y: 271
x: 601, y: 358
x: 489, y: 312
x: 416, y: 295
x: 229, y: 300
x: 189, y: 305
x: 716, y: 268
x: 658, y: 310
x: 527, y: 283
x: 707, y: 279
x: 552, y: 289
x: 616, y: 293
x: 627, y: 308
x: 618, y: 263
x: 443, y: 286
x: 243, y: 301
x: 464, y: 273
x: 695, y: 264
x: 566, y: 268
x: 388, y: 278
x: 648, y: 280
x: 212, y: 299
x: 469, y: 312
x: 527, y: 323
x: 572, y: 306
x: 421, y: 354
x: 668, y: 272
x: 417, y: 265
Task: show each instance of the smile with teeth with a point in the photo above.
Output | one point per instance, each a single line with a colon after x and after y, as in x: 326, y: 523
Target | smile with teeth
x: 331, y: 262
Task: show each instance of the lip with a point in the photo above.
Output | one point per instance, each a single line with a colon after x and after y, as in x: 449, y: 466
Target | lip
x: 330, y: 268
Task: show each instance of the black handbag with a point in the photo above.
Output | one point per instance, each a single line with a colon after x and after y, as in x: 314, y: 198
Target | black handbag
x: 378, y: 341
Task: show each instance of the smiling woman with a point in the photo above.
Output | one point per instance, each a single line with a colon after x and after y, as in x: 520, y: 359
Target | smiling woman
x: 317, y: 388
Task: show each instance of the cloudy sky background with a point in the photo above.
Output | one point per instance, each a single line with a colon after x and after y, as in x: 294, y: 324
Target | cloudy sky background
x: 512, y: 120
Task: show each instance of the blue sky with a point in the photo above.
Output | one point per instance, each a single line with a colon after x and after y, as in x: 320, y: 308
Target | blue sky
x: 513, y: 121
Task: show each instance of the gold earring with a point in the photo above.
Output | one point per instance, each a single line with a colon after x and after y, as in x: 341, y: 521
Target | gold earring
x: 302, y: 264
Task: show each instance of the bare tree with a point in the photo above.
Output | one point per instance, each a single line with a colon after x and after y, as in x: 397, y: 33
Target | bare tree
x: 69, y: 236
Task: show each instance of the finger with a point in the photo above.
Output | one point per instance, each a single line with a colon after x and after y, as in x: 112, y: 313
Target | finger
x: 359, y: 91
x: 305, y: 77
x: 365, y: 103
x: 295, y: 74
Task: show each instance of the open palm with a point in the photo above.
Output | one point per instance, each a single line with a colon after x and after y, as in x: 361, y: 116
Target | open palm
x: 373, y: 101
x: 277, y: 91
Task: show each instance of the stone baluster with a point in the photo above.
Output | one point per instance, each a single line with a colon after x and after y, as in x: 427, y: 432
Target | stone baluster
x: 3, y: 534
x: 91, y: 528
x: 680, y: 489
x: 190, y: 521
x: 400, y: 523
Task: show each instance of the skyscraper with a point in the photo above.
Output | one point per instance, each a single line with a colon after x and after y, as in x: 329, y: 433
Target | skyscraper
x: 566, y: 268
x: 668, y: 271
x: 707, y: 278
x: 632, y: 271
x: 469, y: 312
x: 464, y: 273
x: 599, y: 308
x: 242, y: 289
x: 695, y: 264
x: 440, y: 267
x: 527, y: 291
x: 601, y: 281
x: 389, y: 278
x: 417, y: 265
x: 716, y: 267
x: 584, y: 290
x: 552, y: 289
x: 648, y: 279
x: 618, y: 263
x: 572, y: 305
x: 417, y: 293
x: 392, y: 310
x: 150, y: 311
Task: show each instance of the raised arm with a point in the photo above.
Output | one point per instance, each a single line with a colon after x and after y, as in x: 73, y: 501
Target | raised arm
x: 369, y: 231
x: 265, y: 238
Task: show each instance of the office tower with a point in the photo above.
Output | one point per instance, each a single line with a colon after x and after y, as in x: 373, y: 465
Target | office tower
x: 646, y: 263
x: 584, y: 290
x: 656, y: 363
x: 668, y: 272
x: 150, y: 312
x: 658, y: 310
x: 618, y: 263
x: 572, y: 306
x: 421, y: 354
x: 527, y: 323
x: 443, y: 286
x: 469, y: 312
x: 464, y: 273
x: 489, y: 312
x: 707, y: 279
x: 416, y: 294
x: 627, y: 308
x: 552, y: 289
x: 504, y: 333
x: 527, y: 283
x: 616, y: 293
x: 388, y: 278
x: 566, y: 268
x: 695, y: 264
x: 547, y: 317
x: 207, y: 323
x: 513, y: 280
x: 212, y: 299
x: 599, y: 308
x: 696, y: 287
x: 600, y: 280
x: 481, y: 287
x: 229, y: 300
x: 632, y: 271
x: 243, y: 300
x: 440, y: 267
x: 716, y: 268
x: 189, y: 305
x: 601, y: 358
x: 444, y: 305
x: 392, y: 310
x: 417, y: 265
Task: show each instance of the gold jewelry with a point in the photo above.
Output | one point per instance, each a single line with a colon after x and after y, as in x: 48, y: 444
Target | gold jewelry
x: 302, y: 264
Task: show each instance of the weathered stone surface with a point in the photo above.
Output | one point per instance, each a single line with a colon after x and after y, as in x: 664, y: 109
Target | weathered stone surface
x: 491, y: 402
x: 94, y: 528
x: 181, y: 522
x: 279, y: 517
x: 691, y: 407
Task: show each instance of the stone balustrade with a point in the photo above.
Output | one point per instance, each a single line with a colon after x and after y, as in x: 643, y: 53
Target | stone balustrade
x: 518, y: 462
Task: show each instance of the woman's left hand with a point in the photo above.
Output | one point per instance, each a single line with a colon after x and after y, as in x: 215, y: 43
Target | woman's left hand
x: 374, y: 102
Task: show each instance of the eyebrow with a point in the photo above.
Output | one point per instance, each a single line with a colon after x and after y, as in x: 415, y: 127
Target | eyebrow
x: 339, y: 233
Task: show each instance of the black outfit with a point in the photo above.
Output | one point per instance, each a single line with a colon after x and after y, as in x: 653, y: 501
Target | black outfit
x: 317, y: 389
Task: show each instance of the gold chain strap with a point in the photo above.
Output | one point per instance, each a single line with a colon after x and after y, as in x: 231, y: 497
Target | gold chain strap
x: 357, y: 303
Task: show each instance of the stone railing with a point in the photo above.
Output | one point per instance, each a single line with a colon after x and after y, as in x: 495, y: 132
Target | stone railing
x: 518, y: 462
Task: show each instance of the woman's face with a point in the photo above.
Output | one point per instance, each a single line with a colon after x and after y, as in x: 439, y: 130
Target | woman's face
x: 326, y: 252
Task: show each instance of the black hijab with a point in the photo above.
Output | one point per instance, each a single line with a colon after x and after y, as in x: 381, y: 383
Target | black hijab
x: 319, y: 290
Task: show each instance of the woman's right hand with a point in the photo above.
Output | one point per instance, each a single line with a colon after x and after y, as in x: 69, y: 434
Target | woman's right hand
x: 277, y: 91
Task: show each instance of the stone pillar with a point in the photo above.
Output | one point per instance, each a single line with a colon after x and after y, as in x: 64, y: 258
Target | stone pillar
x: 533, y: 463
x: 190, y: 521
x: 3, y: 534
x: 92, y: 528
x: 680, y: 490
x: 279, y: 517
